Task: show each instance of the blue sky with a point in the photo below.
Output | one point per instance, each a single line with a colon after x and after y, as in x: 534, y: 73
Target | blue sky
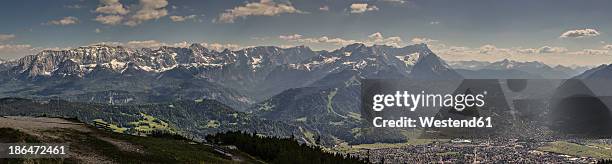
x: 551, y: 31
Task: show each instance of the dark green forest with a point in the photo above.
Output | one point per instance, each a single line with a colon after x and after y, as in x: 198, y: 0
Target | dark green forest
x: 280, y: 150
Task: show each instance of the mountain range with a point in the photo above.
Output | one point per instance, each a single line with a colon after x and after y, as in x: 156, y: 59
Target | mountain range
x: 115, y: 74
x: 102, y: 73
x: 511, y: 69
x: 599, y: 72
x: 315, y: 91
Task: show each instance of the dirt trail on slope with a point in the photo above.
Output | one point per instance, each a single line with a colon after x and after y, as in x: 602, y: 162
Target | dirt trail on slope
x: 39, y: 123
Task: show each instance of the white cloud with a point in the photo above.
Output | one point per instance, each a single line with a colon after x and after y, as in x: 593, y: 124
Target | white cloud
x: 111, y: 7
x: 527, y: 50
x: 107, y: 43
x: 418, y: 40
x: 262, y: 8
x: 64, y: 21
x: 148, y: 44
x: 15, y: 50
x: 176, y: 18
x: 98, y: 30
x: 490, y: 49
x: 144, y: 44
x: 372, y: 39
x: 153, y: 44
x: 6, y: 37
x: 109, y: 19
x: 326, y: 39
x: 14, y: 47
x: 378, y: 38
x: 590, y: 52
x: 492, y: 53
x: 549, y: 49
x: 286, y: 46
x: 324, y: 8
x: 487, y: 49
x: 458, y: 49
x: 290, y: 37
x: 336, y: 41
x: 358, y: 8
x: 221, y: 47
x: 434, y: 22
x: 149, y: 9
x: 183, y: 44
x: 114, y: 12
x: 580, y: 33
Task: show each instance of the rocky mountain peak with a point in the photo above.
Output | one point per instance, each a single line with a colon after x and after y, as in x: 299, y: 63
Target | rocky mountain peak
x: 355, y: 48
x: 430, y: 66
x: 603, y: 71
x: 198, y: 48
